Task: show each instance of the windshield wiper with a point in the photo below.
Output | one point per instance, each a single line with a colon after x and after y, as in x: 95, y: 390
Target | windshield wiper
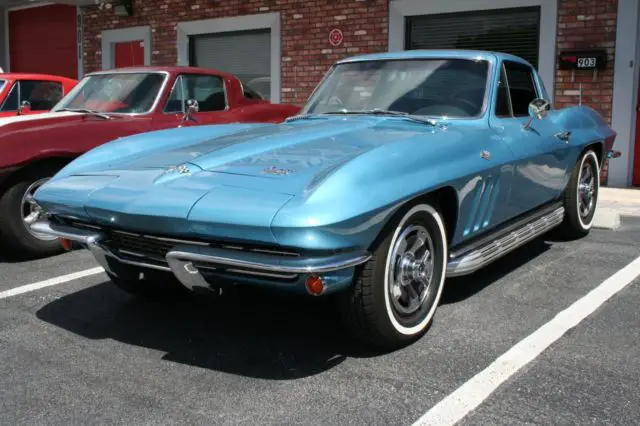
x: 378, y: 111
x: 87, y: 111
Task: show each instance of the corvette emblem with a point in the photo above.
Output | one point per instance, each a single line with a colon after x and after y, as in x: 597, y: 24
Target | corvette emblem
x: 182, y: 169
x: 486, y: 155
x: 276, y: 171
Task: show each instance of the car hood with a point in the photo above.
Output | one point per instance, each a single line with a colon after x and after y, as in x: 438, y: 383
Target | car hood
x: 40, y: 119
x: 286, y: 157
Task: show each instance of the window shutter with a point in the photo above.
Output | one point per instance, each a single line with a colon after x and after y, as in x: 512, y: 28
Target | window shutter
x: 514, y: 30
x: 245, y: 54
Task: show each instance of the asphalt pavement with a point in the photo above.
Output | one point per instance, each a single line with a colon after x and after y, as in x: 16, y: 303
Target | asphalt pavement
x: 83, y: 352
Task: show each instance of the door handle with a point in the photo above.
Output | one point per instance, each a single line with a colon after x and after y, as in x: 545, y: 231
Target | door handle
x: 563, y: 136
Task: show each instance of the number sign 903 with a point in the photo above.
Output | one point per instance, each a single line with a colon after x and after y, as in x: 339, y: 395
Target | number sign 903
x: 586, y: 62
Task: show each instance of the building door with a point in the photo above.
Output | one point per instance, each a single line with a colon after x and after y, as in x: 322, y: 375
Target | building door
x: 129, y: 54
x: 514, y: 30
x: 44, y: 40
x: 246, y: 54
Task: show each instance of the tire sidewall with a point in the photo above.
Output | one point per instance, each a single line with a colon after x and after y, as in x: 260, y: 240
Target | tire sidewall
x: 591, y: 157
x: 436, y: 229
x: 14, y: 233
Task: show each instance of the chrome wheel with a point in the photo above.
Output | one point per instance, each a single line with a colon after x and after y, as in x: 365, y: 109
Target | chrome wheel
x: 31, y: 212
x: 586, y: 190
x: 411, y: 270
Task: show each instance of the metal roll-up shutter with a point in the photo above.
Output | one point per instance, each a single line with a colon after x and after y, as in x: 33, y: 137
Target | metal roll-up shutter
x: 513, y: 30
x: 245, y: 54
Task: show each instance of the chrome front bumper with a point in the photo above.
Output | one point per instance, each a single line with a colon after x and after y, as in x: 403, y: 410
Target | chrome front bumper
x: 187, y: 262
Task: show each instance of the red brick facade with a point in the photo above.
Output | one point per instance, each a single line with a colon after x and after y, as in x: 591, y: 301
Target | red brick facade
x: 586, y: 24
x: 306, y: 52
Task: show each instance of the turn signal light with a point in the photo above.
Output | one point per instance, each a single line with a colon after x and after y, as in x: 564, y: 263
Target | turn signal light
x: 315, y: 285
x: 66, y: 244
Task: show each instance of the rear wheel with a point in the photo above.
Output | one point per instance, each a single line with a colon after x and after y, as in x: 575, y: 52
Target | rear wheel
x: 396, y: 293
x: 581, y: 198
x: 19, y: 212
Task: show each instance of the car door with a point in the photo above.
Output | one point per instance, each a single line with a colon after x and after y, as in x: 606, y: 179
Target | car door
x: 208, y: 92
x: 540, y: 169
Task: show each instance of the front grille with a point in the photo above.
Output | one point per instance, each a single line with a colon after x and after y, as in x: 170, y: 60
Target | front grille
x: 139, y: 244
x: 157, y: 247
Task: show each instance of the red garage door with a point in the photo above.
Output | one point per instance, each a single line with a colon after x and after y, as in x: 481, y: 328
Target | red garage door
x: 43, y: 40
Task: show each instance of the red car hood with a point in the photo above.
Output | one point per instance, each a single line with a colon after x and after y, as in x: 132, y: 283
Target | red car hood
x: 45, y: 118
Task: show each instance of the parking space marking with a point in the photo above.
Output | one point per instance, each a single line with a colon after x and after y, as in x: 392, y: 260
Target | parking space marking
x: 471, y: 394
x: 50, y: 282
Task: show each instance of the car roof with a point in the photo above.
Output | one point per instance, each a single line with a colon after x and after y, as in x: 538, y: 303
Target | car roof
x: 167, y: 69
x: 32, y: 76
x: 436, y: 53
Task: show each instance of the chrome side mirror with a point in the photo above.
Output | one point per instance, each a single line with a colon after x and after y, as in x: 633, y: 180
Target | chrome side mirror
x: 191, y: 108
x: 25, y: 107
x: 538, y: 109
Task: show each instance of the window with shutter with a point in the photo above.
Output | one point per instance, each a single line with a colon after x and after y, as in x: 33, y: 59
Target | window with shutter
x: 245, y: 54
x: 514, y: 30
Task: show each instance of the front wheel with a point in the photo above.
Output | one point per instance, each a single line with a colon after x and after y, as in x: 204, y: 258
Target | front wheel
x: 396, y: 293
x: 19, y: 212
x: 581, y: 198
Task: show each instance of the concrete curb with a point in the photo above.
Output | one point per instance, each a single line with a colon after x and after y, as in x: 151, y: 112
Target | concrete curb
x: 606, y: 218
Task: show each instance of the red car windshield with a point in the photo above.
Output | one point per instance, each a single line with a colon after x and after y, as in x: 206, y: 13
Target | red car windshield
x: 120, y: 92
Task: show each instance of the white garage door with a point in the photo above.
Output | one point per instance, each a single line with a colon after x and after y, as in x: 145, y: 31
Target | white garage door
x: 513, y: 30
x: 246, y: 54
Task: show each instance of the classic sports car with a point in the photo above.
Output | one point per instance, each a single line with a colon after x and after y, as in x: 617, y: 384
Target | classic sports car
x: 24, y: 94
x: 104, y: 106
x: 402, y: 169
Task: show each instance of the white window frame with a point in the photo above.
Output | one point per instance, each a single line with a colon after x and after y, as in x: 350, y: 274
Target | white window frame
x: 261, y: 21
x: 111, y: 37
x: 626, y: 75
x: 400, y: 9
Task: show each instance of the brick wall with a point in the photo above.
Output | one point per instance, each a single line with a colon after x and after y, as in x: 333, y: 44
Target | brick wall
x: 306, y: 52
x: 587, y: 24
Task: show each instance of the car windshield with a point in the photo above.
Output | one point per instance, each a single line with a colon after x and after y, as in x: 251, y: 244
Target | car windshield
x: 124, y: 93
x: 421, y: 87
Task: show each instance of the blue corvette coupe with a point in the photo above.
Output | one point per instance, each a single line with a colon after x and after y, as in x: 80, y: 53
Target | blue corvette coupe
x: 401, y: 170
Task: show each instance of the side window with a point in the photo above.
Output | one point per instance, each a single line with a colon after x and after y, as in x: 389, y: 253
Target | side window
x: 503, y: 106
x: 522, y: 88
x: 43, y: 95
x: 208, y: 90
x: 251, y: 94
x: 11, y: 102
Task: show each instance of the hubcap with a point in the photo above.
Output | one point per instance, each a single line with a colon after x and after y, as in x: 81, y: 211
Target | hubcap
x: 586, y: 189
x: 30, y: 210
x: 411, y: 270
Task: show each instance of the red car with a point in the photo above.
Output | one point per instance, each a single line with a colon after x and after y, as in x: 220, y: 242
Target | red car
x: 104, y: 106
x: 31, y: 93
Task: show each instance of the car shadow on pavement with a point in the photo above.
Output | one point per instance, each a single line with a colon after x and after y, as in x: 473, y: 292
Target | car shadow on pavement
x: 460, y: 288
x: 249, y: 333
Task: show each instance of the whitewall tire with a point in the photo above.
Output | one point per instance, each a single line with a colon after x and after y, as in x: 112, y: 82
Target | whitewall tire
x: 396, y: 293
x: 581, y: 197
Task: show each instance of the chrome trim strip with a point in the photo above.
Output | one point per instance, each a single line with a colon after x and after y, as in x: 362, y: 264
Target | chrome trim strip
x: 482, y: 256
x: 265, y: 262
x: 68, y: 233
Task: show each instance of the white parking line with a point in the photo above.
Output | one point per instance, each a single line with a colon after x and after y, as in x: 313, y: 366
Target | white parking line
x: 50, y: 282
x: 471, y: 394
